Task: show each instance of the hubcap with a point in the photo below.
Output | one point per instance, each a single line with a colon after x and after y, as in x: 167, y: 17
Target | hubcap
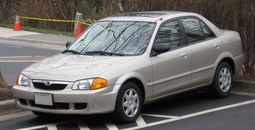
x: 225, y: 79
x: 130, y: 102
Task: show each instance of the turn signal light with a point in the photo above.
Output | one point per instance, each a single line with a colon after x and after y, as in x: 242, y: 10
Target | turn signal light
x: 98, y: 83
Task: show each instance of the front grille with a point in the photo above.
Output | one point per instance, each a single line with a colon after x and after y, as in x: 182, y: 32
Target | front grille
x: 56, y: 105
x: 49, y: 87
x: 80, y: 106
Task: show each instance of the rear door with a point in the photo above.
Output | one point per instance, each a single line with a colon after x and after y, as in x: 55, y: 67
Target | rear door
x: 172, y: 69
x: 204, y: 48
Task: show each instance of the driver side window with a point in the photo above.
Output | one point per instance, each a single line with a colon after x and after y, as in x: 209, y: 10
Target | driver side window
x: 170, y: 33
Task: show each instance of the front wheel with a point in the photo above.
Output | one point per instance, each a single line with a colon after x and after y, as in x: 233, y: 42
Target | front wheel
x: 223, y: 80
x: 128, y: 103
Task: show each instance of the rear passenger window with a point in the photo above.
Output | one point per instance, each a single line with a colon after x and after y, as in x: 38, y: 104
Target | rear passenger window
x: 170, y: 33
x: 207, y: 31
x: 196, y: 30
x: 193, y: 29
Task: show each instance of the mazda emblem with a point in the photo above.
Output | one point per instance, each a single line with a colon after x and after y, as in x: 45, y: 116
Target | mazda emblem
x: 47, y: 83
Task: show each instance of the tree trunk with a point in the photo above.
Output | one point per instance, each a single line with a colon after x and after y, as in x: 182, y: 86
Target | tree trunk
x: 2, y: 81
x: 120, y: 6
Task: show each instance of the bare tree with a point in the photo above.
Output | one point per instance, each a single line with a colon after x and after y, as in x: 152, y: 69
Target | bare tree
x: 120, y: 6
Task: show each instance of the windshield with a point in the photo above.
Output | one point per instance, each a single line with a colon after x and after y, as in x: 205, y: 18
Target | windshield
x: 114, y: 38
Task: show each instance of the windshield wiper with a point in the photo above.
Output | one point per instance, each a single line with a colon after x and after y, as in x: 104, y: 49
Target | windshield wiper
x: 103, y: 53
x: 71, y: 51
x: 97, y: 53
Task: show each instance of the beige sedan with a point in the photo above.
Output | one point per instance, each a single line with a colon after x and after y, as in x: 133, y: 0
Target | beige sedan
x: 126, y: 60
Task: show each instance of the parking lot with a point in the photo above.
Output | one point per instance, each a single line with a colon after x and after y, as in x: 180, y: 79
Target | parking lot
x: 191, y: 111
x: 188, y: 111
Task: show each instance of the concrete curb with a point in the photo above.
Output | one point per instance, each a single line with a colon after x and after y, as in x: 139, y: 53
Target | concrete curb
x: 245, y: 82
x: 41, y: 42
x: 7, y: 106
x: 243, y: 86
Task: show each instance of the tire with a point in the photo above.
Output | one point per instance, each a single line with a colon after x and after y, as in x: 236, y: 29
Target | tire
x: 130, y: 111
x: 223, y: 81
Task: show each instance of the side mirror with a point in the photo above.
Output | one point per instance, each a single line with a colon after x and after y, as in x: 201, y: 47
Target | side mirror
x: 161, y: 48
x: 68, y: 44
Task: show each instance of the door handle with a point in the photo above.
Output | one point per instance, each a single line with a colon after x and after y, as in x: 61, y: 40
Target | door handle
x: 217, y: 46
x: 183, y: 55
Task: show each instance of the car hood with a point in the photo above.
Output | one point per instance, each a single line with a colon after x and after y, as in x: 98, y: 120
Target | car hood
x: 69, y: 67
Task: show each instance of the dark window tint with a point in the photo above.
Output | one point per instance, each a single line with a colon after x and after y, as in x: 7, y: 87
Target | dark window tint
x: 193, y: 29
x: 207, y: 31
x: 170, y: 33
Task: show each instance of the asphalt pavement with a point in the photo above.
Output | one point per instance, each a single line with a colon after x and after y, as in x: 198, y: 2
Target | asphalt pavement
x: 15, y: 56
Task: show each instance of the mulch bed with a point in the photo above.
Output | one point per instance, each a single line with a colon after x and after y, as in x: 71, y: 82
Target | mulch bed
x: 5, y: 92
x: 246, y: 78
x: 5, y: 89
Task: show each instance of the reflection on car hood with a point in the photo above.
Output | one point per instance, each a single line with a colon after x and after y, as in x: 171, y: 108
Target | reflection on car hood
x: 69, y: 67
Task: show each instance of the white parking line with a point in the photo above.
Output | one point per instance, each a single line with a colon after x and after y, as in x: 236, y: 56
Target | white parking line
x: 111, y: 126
x: 82, y: 126
x: 160, y: 116
x: 48, y: 126
x: 193, y: 114
x: 140, y: 121
x: 52, y: 127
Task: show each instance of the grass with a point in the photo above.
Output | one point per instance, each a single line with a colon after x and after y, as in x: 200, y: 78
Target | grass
x: 39, y: 30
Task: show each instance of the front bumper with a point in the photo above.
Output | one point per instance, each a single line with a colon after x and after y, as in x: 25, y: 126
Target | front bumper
x: 68, y: 101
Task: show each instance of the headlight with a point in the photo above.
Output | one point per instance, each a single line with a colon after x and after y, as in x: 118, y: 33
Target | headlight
x: 90, y: 84
x: 22, y: 80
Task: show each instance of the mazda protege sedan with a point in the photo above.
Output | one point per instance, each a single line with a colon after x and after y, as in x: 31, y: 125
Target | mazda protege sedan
x: 124, y: 61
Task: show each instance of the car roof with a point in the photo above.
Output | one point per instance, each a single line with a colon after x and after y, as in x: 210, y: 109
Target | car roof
x: 149, y: 16
x: 161, y: 16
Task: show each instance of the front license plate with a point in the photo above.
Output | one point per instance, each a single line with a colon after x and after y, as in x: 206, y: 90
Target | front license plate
x: 43, y: 99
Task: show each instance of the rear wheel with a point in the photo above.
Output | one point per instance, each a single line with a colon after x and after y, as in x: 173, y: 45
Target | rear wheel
x: 223, y: 80
x: 128, y: 103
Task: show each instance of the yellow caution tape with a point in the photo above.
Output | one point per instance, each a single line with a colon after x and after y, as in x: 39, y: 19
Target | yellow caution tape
x: 84, y: 22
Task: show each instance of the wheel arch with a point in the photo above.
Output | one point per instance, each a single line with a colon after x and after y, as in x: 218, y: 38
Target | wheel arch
x: 225, y: 57
x: 230, y: 62
x: 140, y: 86
x: 138, y: 79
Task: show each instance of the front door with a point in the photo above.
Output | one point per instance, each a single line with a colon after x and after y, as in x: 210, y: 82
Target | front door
x: 172, y: 69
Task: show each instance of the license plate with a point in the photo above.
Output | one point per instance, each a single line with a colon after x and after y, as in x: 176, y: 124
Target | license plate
x: 43, y: 99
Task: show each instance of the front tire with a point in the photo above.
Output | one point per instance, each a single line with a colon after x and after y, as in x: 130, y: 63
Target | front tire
x: 128, y: 103
x: 223, y: 80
